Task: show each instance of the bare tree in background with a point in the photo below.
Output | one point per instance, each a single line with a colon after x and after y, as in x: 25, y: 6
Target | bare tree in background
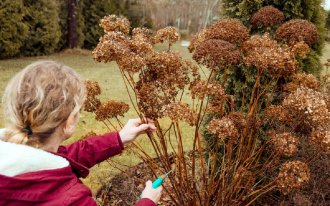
x: 72, y: 24
x: 188, y: 15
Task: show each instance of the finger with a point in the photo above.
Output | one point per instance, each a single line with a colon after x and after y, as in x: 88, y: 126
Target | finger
x: 149, y: 183
x: 136, y: 122
x: 148, y: 120
x: 139, y: 121
x: 144, y: 127
x: 159, y: 189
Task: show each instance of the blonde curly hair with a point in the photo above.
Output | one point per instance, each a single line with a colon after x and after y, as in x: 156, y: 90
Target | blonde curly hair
x: 39, y: 99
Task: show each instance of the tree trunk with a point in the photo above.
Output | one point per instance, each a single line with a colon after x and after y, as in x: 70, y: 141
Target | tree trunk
x: 72, y: 24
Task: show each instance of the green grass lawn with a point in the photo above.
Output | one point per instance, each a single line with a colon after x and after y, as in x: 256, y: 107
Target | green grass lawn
x: 113, y: 87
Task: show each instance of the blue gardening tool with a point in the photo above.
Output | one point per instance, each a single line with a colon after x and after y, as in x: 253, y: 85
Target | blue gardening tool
x: 159, y: 181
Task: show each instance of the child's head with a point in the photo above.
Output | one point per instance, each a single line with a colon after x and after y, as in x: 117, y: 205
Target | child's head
x: 39, y: 100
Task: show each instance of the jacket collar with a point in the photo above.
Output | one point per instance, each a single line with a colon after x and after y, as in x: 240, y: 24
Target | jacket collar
x: 17, y: 159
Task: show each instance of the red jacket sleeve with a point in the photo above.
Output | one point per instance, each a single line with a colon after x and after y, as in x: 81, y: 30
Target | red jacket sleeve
x: 93, y: 150
x: 145, y: 202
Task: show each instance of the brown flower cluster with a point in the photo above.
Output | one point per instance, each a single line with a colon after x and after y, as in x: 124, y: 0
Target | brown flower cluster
x: 224, y: 128
x: 263, y: 52
x: 131, y: 62
x: 113, y: 23
x: 169, y: 34
x: 92, y: 90
x: 116, y: 45
x: 151, y: 100
x: 276, y: 114
x: 141, y: 41
x: 322, y: 139
x: 217, y: 54
x: 230, y: 30
x: 111, y: 47
x: 285, y: 143
x: 302, y: 80
x: 300, y: 49
x: 216, y: 104
x: 239, y: 119
x: 202, y: 89
x: 297, y: 30
x: 267, y: 16
x: 167, y: 69
x: 293, y: 175
x: 143, y: 34
x: 256, y: 42
x: 308, y: 104
x: 165, y: 74
x: 111, y: 109
x: 196, y: 40
x: 180, y: 111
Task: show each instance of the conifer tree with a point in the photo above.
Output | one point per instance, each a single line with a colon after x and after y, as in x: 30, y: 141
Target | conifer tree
x: 310, y: 10
x: 12, y: 30
x: 44, y: 30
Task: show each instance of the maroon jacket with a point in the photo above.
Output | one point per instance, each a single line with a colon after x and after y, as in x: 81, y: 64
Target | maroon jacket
x: 62, y: 186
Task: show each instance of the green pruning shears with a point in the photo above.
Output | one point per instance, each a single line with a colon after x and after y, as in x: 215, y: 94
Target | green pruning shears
x: 159, y: 181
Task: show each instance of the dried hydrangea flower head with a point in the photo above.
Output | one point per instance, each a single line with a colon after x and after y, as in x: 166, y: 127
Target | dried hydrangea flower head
x: 140, y: 47
x: 267, y: 16
x: 322, y: 139
x: 151, y: 99
x: 196, y: 40
x: 216, y: 104
x: 141, y: 41
x: 276, y: 114
x: 217, y: 54
x: 180, y: 111
x: 131, y: 62
x: 201, y: 89
x: 297, y: 30
x: 111, y: 109
x: 284, y: 143
x: 167, y: 69
x: 239, y: 119
x: 230, y: 30
x: 165, y: 74
x: 169, y: 34
x: 224, y: 128
x: 113, y: 23
x: 92, y: 90
x: 110, y: 47
x: 264, y: 53
x: 300, y: 49
x: 293, y: 175
x: 143, y: 34
x: 259, y: 41
x: 302, y: 80
x: 309, y: 105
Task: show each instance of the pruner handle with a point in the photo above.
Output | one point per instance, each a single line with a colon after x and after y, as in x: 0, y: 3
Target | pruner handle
x: 158, y: 182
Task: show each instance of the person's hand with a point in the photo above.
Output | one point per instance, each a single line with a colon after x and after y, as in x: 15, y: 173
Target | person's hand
x: 151, y: 193
x: 135, y: 127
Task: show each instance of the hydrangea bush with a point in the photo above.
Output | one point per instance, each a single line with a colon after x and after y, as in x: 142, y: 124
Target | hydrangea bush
x: 257, y: 127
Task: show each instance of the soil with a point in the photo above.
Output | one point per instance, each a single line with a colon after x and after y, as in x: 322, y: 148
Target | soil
x: 125, y: 189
